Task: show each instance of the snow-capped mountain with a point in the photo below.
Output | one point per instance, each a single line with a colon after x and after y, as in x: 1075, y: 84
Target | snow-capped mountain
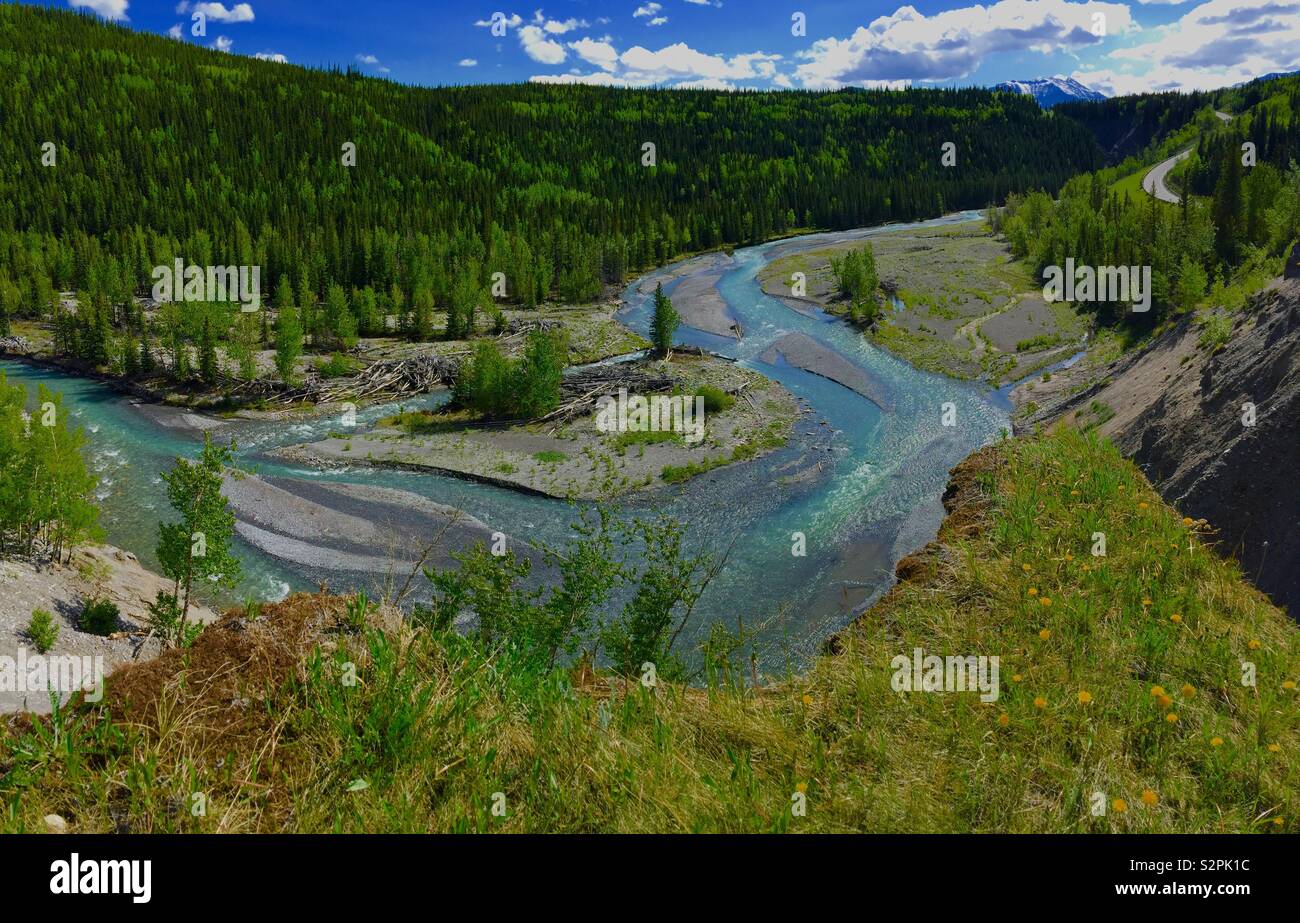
x: 1049, y: 91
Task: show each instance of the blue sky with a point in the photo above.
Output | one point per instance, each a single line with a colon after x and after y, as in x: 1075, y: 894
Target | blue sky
x: 1117, y: 47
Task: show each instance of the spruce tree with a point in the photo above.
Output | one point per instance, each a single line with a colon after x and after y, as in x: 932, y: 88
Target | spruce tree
x: 663, y: 325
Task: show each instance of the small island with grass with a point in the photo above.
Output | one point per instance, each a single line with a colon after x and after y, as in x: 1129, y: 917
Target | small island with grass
x: 956, y: 300
x: 527, y: 423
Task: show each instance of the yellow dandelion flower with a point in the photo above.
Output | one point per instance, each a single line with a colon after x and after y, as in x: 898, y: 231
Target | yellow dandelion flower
x: 801, y: 787
x: 1157, y: 690
x: 1164, y: 701
x: 1033, y: 591
x: 1188, y: 521
x: 1045, y: 601
x: 1045, y: 634
x: 1040, y: 702
x: 1146, y: 602
x: 807, y: 699
x: 1288, y: 684
x: 1004, y: 719
x: 1176, y: 619
x: 1143, y: 505
x: 1074, y: 493
x: 1150, y: 798
x: 1171, y: 718
x: 1277, y: 822
x: 1119, y: 805
x: 1216, y: 741
x: 1069, y: 557
x: 1274, y: 748
x: 1253, y: 645
x: 1188, y: 690
x: 1084, y: 696
x: 1026, y: 568
x: 1016, y: 677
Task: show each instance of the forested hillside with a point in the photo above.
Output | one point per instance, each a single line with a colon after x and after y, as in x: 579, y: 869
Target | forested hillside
x: 168, y: 150
x: 1126, y: 125
x: 1226, y: 239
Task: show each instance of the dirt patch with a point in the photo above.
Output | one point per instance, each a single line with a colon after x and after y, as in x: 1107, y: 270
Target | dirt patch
x: 95, y: 572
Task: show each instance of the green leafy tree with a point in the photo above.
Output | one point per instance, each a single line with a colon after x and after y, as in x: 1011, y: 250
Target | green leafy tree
x: 208, y: 367
x: 288, y: 344
x: 200, y: 544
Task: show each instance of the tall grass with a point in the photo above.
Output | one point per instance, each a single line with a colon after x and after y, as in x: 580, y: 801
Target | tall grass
x: 400, y: 729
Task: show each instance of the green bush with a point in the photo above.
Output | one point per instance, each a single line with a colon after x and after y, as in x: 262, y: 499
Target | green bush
x: 504, y: 389
x: 42, y: 630
x: 337, y: 366
x: 715, y: 399
x: 164, y: 620
x: 99, y: 617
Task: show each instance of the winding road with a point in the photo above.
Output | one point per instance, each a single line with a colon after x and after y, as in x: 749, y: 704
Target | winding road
x: 1154, y: 181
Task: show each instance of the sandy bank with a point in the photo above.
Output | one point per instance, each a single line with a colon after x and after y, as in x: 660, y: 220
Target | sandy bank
x: 802, y: 351
x: 348, y: 527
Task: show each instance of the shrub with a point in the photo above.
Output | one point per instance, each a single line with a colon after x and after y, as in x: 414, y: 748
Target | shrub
x: 164, y: 620
x: 505, y: 389
x: 99, y: 617
x: 42, y: 630
x: 337, y: 366
x: 715, y: 399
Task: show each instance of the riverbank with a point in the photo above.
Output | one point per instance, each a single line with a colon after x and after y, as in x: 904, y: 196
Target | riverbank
x: 1126, y: 658
x: 575, y: 458
x: 958, y: 303
x: 94, y: 573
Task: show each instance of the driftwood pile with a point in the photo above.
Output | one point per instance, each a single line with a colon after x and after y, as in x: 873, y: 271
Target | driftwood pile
x: 15, y: 345
x: 385, y: 378
x: 580, y: 391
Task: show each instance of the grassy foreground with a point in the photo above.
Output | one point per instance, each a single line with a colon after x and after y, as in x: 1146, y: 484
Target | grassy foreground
x: 1120, y: 674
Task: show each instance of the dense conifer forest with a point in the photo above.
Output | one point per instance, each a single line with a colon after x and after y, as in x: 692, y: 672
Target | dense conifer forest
x: 162, y: 149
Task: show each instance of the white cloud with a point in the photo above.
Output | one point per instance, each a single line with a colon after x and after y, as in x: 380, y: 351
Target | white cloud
x: 540, y: 48
x: 908, y: 45
x: 514, y: 21
x: 649, y: 9
x: 218, y: 12
x: 109, y: 9
x: 370, y: 60
x: 467, y: 62
x: 174, y: 31
x: 1219, y: 43
x: 271, y: 56
x: 676, y: 65
x: 223, y: 43
x: 601, y: 54
x: 657, y: 21
x: 555, y: 27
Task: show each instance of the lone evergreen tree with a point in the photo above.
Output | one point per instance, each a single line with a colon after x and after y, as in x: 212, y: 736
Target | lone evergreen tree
x: 663, y: 326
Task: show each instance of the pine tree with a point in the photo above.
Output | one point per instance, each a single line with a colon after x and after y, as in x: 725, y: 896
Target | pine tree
x: 663, y: 326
